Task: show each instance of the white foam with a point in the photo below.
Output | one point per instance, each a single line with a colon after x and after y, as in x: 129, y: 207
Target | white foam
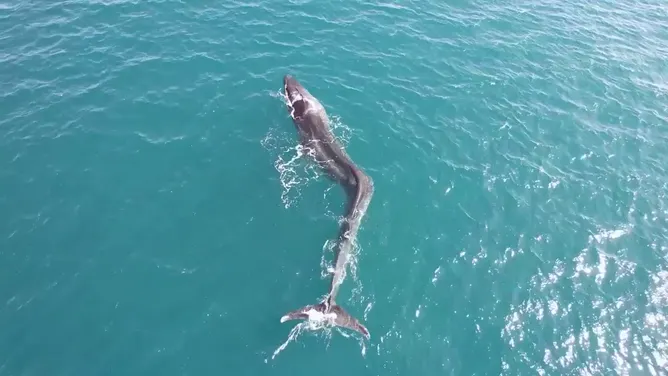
x: 437, y: 274
x: 294, y: 334
x: 316, y: 321
x: 611, y: 234
x: 315, y: 316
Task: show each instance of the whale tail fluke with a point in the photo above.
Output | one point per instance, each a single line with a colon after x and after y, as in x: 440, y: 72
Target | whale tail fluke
x: 331, y: 313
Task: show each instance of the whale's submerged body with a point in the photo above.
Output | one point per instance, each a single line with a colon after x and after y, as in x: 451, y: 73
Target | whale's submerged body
x: 312, y: 122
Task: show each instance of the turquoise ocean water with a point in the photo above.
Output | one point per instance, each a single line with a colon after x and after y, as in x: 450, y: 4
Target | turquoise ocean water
x: 155, y: 218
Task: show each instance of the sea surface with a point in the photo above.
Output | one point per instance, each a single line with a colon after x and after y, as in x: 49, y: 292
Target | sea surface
x: 158, y: 218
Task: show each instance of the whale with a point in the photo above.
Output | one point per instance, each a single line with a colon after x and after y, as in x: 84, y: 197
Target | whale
x: 312, y: 123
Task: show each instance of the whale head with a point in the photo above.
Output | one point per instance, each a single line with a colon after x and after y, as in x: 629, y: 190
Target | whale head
x: 300, y: 101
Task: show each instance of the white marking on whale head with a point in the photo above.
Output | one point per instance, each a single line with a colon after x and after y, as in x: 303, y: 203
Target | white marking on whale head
x: 294, y: 93
x: 308, y: 104
x: 297, y: 97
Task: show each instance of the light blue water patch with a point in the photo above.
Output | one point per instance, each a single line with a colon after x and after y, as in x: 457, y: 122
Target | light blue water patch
x: 153, y: 220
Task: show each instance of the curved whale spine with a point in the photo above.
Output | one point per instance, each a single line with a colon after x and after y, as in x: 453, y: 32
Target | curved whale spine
x: 311, y: 120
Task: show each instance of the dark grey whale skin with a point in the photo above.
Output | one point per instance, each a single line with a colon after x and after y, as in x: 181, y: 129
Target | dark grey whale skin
x: 312, y: 123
